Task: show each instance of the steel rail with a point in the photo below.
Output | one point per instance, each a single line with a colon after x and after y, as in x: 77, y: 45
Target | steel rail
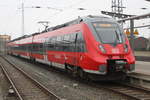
x: 135, y: 89
x: 126, y: 90
x: 52, y: 95
x: 123, y: 91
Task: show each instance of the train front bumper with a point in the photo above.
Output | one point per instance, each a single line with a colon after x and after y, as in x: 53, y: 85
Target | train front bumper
x: 114, y: 66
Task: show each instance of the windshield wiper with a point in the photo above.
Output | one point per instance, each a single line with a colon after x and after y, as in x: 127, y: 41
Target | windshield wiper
x: 116, y: 39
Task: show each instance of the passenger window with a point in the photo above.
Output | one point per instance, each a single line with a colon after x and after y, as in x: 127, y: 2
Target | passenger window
x: 72, y: 37
x: 51, y: 43
x: 80, y: 37
x: 58, y: 38
x: 49, y: 40
x: 53, y: 40
x: 66, y: 38
x: 80, y: 43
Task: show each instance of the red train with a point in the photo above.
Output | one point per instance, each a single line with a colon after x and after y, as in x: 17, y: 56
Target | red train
x: 92, y: 46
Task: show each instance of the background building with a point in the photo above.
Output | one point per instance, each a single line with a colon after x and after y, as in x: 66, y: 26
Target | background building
x: 5, y: 37
x: 141, y: 44
x: 3, y: 40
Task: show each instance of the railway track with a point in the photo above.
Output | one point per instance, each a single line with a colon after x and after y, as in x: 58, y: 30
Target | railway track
x: 132, y: 92
x: 26, y: 87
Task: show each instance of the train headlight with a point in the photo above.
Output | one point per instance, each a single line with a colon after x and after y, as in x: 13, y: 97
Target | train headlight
x: 126, y: 48
x: 102, y: 68
x: 102, y: 48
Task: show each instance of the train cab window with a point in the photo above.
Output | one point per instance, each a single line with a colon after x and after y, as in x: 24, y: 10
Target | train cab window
x: 109, y: 33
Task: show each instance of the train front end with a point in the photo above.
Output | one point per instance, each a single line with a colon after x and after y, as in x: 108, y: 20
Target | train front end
x: 109, y: 51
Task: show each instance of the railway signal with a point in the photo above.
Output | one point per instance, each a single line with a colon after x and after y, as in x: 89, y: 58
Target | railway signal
x: 136, y: 32
x: 127, y: 32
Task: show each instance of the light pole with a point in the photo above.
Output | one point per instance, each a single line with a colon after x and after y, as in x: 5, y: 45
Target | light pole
x: 22, y: 18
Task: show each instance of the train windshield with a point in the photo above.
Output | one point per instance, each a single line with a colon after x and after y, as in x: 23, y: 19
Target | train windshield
x: 109, y: 33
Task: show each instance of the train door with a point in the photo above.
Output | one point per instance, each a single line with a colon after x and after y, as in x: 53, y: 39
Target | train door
x: 48, y: 46
x: 80, y: 48
x: 30, y: 48
x: 72, y: 48
x: 78, y: 53
x: 75, y: 46
x: 75, y: 50
x: 45, y: 49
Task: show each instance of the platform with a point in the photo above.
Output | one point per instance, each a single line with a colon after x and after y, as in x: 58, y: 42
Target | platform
x: 142, y: 70
x: 142, y: 67
x: 142, y: 56
x: 142, y: 53
x: 141, y: 76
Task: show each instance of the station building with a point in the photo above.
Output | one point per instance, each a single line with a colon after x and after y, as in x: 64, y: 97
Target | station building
x: 3, y: 40
x: 141, y: 44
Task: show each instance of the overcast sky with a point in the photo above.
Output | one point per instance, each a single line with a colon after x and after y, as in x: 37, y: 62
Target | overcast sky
x: 10, y: 17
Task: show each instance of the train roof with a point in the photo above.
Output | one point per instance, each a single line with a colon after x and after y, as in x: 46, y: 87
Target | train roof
x: 89, y: 18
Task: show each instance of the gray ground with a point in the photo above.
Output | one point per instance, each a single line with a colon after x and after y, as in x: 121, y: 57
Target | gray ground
x: 142, y: 53
x: 1, y: 93
x: 142, y: 67
x: 66, y: 87
x: 4, y: 87
x: 1, y: 81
